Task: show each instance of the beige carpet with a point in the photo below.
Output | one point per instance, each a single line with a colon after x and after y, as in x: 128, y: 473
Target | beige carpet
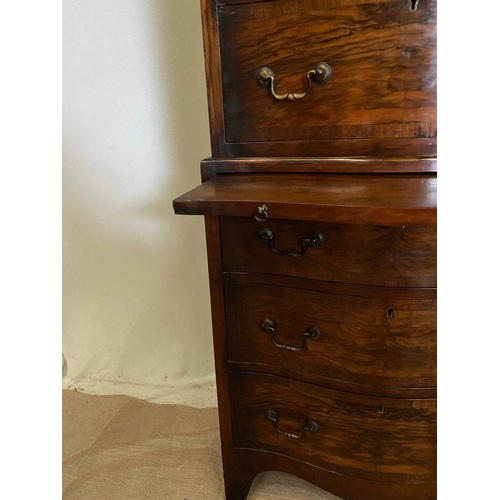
x: 121, y: 448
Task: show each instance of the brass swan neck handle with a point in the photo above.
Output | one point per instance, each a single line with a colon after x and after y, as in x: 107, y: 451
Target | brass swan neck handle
x: 309, y: 426
x: 312, y: 333
x: 319, y: 74
x: 314, y: 239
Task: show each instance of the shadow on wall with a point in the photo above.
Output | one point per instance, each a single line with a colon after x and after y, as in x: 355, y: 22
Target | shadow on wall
x: 135, y: 284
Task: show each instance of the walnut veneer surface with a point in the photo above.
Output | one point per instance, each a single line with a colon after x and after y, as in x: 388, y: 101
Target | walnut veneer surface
x: 320, y: 209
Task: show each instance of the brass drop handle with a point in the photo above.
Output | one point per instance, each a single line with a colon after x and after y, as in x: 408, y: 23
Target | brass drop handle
x: 319, y: 74
x: 314, y: 239
x: 261, y: 214
x: 309, y: 426
x: 312, y: 333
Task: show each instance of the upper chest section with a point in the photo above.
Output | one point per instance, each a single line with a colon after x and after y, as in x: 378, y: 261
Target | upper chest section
x: 322, y: 77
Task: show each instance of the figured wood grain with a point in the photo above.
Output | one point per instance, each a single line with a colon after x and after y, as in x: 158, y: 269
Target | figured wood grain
x: 331, y: 383
x: 212, y: 232
x: 212, y: 71
x: 382, y: 148
x: 392, y: 200
x: 376, y: 115
x: 249, y: 463
x: 239, y: 2
x: 377, y: 292
x: 383, y: 59
x: 211, y: 167
x: 359, y: 343
x: 359, y: 254
x: 356, y: 437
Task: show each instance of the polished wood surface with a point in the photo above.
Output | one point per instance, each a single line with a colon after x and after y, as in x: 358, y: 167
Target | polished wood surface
x: 211, y: 167
x: 391, y: 200
x: 337, y: 384
x: 359, y: 343
x: 377, y: 292
x: 212, y: 232
x: 380, y: 439
x: 364, y: 255
x: 212, y: 72
x: 387, y: 147
x: 249, y: 463
x: 383, y: 60
x: 356, y: 160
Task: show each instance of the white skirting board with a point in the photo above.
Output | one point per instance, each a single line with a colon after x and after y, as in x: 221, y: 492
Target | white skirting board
x: 200, y: 393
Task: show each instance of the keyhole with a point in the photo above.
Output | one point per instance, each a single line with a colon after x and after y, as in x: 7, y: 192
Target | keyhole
x: 381, y: 409
x: 390, y: 312
x: 413, y: 4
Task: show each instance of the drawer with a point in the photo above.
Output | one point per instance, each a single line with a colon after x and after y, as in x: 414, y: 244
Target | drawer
x: 365, y: 255
x: 379, y: 439
x: 381, y: 55
x: 390, y: 343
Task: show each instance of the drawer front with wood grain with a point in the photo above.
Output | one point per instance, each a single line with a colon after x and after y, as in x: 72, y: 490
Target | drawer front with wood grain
x: 365, y: 255
x: 378, y: 78
x: 370, y: 341
x: 379, y: 439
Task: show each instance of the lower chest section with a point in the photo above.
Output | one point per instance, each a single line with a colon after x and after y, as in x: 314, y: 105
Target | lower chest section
x: 329, y: 348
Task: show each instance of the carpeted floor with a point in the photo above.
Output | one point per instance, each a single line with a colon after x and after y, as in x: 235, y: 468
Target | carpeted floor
x: 121, y: 448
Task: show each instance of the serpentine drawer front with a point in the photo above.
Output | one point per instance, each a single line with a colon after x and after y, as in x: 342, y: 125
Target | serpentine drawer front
x: 384, y: 342
x: 365, y: 255
x: 380, y: 439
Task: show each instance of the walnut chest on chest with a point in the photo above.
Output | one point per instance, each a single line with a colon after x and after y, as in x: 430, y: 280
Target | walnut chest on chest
x: 320, y: 208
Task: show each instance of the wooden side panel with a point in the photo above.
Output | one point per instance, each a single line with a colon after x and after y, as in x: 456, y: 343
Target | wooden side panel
x: 213, y: 74
x: 232, y: 484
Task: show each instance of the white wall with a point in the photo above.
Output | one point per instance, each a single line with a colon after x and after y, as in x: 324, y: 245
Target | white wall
x: 135, y: 286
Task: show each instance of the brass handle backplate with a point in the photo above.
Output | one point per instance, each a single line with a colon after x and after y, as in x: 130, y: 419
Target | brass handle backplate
x: 314, y: 239
x: 312, y: 333
x: 309, y: 426
x: 319, y: 74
